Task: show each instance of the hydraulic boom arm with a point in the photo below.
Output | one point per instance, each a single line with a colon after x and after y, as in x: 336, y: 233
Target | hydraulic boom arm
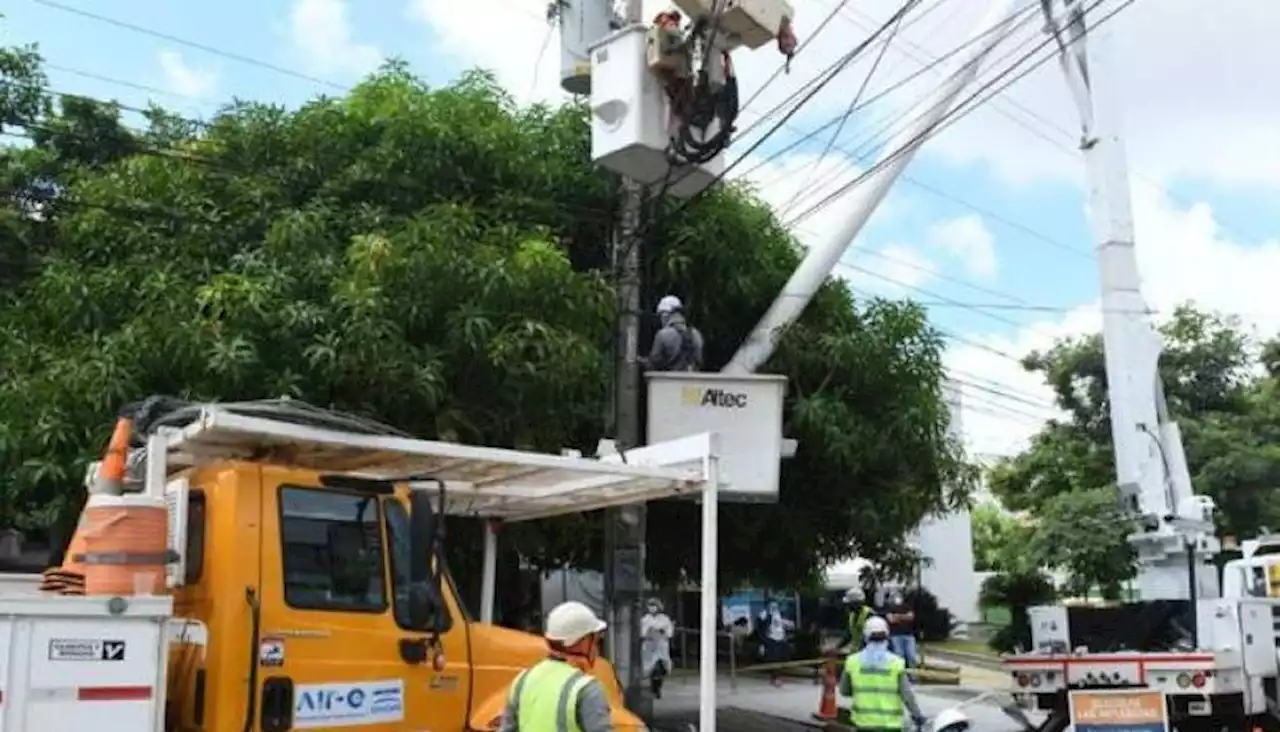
x: 821, y: 260
x: 1174, y: 537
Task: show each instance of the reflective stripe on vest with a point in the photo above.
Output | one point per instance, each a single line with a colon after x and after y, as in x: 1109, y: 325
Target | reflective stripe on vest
x: 877, y: 702
x: 549, y: 691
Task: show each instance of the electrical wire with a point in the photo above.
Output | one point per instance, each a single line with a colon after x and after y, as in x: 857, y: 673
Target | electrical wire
x: 880, y: 95
x: 191, y: 44
x: 764, y: 117
x: 957, y: 113
x: 853, y: 104
x: 825, y: 77
x: 54, y: 4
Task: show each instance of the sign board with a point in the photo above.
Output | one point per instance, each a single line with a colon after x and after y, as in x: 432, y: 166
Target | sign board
x: 1119, y: 710
x: 744, y: 411
x: 85, y: 649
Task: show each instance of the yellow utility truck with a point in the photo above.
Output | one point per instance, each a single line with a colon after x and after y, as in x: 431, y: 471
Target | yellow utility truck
x: 302, y: 583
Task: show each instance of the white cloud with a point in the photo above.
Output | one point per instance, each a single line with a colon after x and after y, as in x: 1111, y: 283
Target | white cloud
x: 1184, y: 254
x: 967, y: 239
x: 508, y: 37
x: 320, y: 32
x: 188, y: 81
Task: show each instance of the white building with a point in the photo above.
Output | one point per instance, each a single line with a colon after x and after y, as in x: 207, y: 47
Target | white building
x: 947, y: 543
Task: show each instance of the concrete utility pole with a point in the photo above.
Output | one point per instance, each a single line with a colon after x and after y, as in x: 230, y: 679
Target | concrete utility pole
x: 625, y: 526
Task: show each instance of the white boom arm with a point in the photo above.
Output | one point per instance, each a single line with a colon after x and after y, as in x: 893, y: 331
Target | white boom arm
x: 1174, y: 540
x: 820, y: 261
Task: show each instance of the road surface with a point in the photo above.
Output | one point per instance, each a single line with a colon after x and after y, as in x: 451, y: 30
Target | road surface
x: 755, y: 706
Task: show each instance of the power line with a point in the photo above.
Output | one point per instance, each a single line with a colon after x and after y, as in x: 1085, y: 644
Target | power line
x: 955, y: 114
x: 191, y: 44
x: 876, y: 97
x: 778, y: 71
x: 806, y: 135
x: 853, y: 101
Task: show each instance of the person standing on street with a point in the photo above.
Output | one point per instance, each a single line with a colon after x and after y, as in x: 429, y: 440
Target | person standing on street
x: 857, y: 611
x: 677, y: 346
x: 557, y: 693
x: 876, y: 681
x: 902, y: 628
x: 774, y: 629
x: 656, y: 630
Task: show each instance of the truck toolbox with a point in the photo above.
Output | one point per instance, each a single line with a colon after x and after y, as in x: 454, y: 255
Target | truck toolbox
x: 72, y: 664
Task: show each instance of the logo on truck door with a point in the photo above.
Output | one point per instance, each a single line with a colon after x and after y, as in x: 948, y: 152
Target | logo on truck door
x: 349, y: 704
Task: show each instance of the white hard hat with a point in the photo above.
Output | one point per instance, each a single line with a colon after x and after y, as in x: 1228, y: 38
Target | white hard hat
x: 855, y: 594
x: 570, y: 622
x: 876, y: 625
x: 951, y: 720
x: 669, y: 304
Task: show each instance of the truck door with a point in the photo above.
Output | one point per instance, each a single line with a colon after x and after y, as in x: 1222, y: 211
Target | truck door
x: 331, y: 653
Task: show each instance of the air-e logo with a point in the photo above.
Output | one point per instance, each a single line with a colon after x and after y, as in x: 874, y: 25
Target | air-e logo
x: 713, y: 398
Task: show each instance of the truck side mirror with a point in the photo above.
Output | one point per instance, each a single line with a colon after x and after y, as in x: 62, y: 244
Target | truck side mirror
x: 425, y: 590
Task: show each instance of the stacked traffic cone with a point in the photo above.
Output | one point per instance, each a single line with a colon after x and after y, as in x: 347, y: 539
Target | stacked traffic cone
x: 827, y: 711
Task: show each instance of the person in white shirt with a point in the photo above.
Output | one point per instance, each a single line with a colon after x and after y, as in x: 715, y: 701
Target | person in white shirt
x: 774, y: 629
x: 656, y: 631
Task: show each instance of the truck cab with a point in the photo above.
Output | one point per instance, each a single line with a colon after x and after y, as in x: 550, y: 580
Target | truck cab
x: 296, y: 609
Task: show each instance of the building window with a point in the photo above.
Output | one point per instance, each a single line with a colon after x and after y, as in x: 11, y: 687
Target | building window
x: 332, y: 550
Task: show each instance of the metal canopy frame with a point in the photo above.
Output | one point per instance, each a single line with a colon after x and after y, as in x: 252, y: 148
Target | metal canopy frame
x: 485, y: 482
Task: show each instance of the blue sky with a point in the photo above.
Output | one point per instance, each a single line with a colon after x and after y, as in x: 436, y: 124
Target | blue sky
x: 1003, y: 254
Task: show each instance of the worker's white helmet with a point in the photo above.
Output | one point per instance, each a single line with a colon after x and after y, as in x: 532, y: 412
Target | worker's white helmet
x: 950, y: 720
x: 875, y: 626
x: 570, y: 622
x: 855, y: 594
x: 669, y: 304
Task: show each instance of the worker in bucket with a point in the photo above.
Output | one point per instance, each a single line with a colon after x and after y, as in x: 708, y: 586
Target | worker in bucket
x: 857, y: 611
x: 656, y: 630
x: 677, y: 345
x: 876, y: 681
x: 557, y: 692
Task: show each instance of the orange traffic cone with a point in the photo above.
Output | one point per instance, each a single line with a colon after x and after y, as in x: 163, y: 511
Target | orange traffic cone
x: 827, y: 711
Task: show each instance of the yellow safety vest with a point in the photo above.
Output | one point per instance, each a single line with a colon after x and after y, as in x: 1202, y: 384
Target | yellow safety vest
x: 857, y: 621
x: 877, y: 703
x: 547, y: 694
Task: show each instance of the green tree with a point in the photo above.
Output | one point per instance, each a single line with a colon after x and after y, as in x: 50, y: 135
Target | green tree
x: 999, y: 538
x: 433, y: 258
x: 1066, y: 479
x: 1015, y: 591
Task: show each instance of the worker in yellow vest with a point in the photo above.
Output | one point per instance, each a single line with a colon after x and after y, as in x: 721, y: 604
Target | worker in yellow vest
x: 557, y: 694
x: 876, y: 681
x: 857, y: 611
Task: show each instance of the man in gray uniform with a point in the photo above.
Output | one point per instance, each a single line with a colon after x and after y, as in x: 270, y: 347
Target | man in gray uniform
x: 677, y: 345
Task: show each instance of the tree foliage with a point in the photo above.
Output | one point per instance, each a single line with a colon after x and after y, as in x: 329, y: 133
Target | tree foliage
x: 433, y: 258
x: 999, y: 538
x: 1225, y: 405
